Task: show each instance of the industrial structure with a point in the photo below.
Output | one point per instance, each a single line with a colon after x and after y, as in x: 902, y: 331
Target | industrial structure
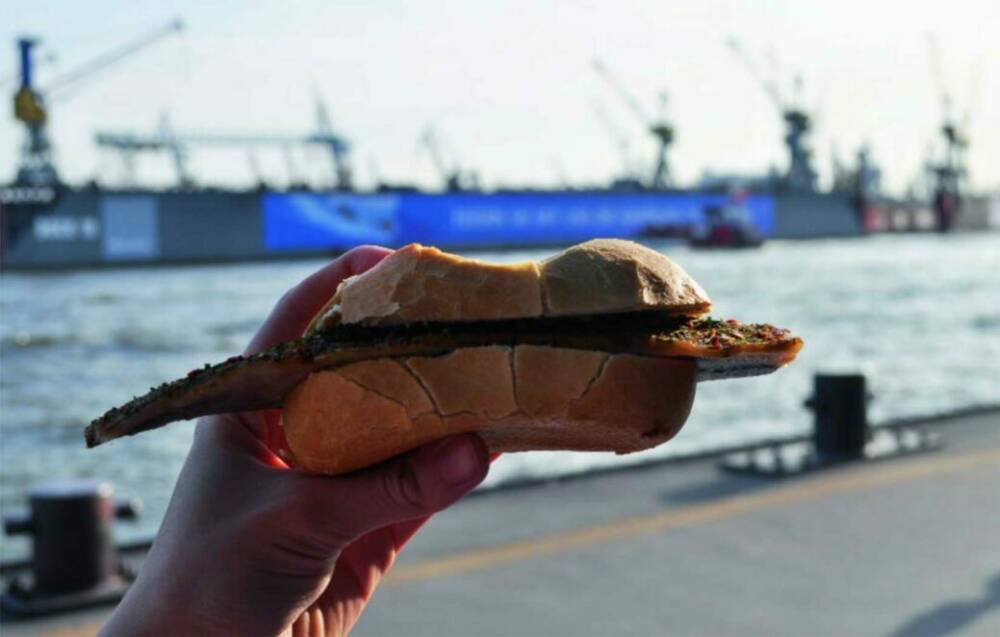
x: 31, y: 102
x: 800, y: 175
x: 178, y: 145
x: 45, y: 222
x: 659, y: 128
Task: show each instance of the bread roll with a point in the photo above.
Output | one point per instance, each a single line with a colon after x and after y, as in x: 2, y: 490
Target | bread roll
x: 517, y: 398
x: 603, y: 276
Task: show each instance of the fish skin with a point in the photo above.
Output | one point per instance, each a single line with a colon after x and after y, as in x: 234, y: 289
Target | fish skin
x: 262, y: 380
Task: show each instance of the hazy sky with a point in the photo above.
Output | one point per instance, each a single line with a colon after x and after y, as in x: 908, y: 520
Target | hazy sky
x: 510, y: 85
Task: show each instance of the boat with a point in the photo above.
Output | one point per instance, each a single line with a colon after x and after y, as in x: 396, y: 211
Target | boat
x: 727, y: 226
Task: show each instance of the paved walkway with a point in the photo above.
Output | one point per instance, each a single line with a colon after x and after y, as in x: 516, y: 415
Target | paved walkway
x: 902, y: 547
x: 898, y: 547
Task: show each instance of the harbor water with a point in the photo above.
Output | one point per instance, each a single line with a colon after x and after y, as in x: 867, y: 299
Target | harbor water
x: 920, y: 315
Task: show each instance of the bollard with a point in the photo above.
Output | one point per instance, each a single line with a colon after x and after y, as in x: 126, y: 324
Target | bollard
x: 840, y: 434
x: 73, y: 553
x: 839, y: 405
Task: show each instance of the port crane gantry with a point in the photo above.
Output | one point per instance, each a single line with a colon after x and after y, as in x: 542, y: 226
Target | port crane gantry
x: 800, y: 176
x: 30, y: 101
x: 177, y: 145
x: 661, y: 130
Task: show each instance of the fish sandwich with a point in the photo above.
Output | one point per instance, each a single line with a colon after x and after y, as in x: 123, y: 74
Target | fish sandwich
x: 599, y: 348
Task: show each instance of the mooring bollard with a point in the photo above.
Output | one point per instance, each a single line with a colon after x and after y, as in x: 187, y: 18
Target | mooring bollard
x: 840, y: 414
x: 841, y: 433
x: 73, y: 555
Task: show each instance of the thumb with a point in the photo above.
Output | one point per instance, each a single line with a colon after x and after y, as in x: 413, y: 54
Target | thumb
x: 410, y: 486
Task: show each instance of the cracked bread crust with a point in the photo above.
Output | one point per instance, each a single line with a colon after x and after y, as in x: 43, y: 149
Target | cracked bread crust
x: 603, y: 276
x: 518, y: 398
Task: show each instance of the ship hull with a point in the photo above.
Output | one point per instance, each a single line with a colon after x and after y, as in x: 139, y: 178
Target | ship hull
x: 105, y: 228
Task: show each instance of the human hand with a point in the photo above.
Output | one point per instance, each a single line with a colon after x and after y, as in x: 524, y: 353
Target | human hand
x: 251, y: 547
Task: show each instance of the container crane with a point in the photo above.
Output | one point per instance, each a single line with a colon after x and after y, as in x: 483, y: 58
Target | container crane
x: 800, y: 175
x: 661, y: 130
x: 30, y: 108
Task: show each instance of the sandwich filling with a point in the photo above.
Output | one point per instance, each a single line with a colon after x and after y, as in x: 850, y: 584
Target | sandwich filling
x: 262, y: 380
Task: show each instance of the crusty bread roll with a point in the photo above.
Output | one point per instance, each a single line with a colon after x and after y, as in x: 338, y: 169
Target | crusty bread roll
x: 517, y: 398
x: 603, y: 276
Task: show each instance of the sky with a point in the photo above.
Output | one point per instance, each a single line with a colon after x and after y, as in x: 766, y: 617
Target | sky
x: 509, y: 86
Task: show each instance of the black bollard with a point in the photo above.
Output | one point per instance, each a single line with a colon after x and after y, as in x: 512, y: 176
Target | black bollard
x: 839, y: 405
x: 73, y: 554
x: 840, y: 434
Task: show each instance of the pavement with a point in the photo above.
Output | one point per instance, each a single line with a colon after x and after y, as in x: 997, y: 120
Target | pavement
x: 905, y: 546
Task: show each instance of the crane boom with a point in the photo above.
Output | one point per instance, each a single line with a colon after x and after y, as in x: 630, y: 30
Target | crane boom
x: 626, y: 97
x: 617, y: 136
x: 937, y: 73
x: 428, y: 139
x: 769, y: 85
x: 106, y: 60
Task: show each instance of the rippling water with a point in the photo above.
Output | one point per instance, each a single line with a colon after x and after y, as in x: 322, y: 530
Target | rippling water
x: 920, y: 315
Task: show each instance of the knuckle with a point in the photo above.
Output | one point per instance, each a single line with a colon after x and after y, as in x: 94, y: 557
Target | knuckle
x: 402, y: 487
x: 309, y: 514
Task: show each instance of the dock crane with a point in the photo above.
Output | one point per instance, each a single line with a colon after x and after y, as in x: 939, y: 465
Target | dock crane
x: 618, y: 138
x: 800, y: 175
x: 949, y: 173
x: 166, y: 139
x: 661, y: 130
x: 452, y: 175
x: 30, y: 101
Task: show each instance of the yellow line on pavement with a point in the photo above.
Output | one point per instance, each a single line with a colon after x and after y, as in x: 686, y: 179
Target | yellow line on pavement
x: 816, y: 488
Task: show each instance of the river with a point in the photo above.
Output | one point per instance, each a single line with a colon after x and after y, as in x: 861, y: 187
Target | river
x: 920, y: 315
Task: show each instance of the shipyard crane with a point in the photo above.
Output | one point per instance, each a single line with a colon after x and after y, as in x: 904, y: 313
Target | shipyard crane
x: 661, y: 130
x: 800, y: 174
x: 452, y: 175
x: 30, y: 108
x: 335, y: 144
x: 618, y: 138
x: 950, y: 172
x: 166, y: 139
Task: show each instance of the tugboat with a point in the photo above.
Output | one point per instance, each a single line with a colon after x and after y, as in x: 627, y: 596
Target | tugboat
x: 726, y: 226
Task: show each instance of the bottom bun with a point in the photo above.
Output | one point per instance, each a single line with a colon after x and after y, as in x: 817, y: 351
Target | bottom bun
x: 516, y: 398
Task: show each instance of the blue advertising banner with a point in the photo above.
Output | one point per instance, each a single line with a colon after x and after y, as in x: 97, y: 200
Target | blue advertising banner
x: 317, y: 221
x: 298, y: 221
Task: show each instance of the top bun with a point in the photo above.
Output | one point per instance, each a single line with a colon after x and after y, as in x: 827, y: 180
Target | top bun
x: 603, y: 276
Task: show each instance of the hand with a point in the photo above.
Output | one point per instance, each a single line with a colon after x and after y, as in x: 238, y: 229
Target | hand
x: 251, y: 547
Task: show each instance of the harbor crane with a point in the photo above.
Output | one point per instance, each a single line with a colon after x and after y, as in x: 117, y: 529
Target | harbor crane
x: 661, y: 130
x: 618, y: 138
x: 177, y: 145
x: 454, y: 178
x: 31, y: 102
x: 800, y: 175
x: 950, y: 172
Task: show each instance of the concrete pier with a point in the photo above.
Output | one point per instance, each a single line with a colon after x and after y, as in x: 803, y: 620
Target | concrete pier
x: 906, y: 546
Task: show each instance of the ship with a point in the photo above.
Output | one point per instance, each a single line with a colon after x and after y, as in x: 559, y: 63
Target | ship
x: 46, y: 223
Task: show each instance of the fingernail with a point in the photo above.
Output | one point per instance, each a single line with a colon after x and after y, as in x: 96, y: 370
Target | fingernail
x: 460, y: 461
